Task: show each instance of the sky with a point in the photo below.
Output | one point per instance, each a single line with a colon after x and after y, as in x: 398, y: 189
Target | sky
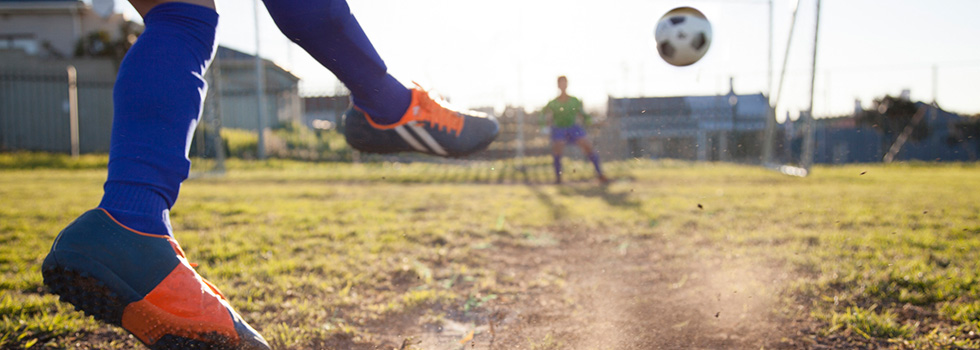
x: 509, y: 52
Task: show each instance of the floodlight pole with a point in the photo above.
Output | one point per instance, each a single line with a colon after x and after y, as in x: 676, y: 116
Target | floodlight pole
x: 767, y: 140
x: 769, y: 73
x: 259, y: 84
x: 808, y: 142
x: 782, y: 77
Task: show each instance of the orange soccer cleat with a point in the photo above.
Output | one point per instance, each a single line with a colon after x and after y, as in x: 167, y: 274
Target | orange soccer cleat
x: 143, y: 283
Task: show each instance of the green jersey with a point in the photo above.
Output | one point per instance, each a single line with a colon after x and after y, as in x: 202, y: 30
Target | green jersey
x: 563, y: 114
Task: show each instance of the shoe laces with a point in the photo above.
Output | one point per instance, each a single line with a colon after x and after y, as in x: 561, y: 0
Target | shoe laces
x: 432, y: 111
x: 180, y: 252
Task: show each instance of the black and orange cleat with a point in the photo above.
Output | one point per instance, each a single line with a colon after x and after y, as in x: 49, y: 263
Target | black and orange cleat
x: 143, y: 283
x: 428, y: 126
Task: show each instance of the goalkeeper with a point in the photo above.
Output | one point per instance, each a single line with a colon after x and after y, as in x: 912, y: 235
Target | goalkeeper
x: 563, y: 113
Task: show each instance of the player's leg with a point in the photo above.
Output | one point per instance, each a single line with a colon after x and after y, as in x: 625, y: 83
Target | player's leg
x: 583, y: 142
x: 557, y: 148
x: 119, y: 263
x: 388, y: 117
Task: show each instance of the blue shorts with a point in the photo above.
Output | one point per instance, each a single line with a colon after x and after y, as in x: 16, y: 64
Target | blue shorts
x: 569, y: 134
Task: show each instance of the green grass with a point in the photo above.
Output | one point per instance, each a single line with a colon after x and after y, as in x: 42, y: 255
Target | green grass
x: 37, y: 160
x: 869, y: 324
x: 315, y: 254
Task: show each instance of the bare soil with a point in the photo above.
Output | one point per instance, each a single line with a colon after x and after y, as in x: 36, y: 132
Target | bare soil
x: 590, y: 291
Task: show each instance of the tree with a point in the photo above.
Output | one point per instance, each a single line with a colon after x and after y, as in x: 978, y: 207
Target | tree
x: 966, y: 131
x: 891, y: 116
x: 101, y: 44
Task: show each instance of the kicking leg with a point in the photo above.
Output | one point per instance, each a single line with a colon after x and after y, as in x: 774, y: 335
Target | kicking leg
x: 119, y: 263
x: 388, y: 117
x: 330, y: 33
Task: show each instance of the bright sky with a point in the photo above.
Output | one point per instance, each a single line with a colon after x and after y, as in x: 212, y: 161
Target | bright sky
x: 495, y: 53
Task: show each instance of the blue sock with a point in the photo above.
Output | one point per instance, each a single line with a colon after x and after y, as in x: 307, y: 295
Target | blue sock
x: 157, y: 101
x: 594, y: 157
x: 330, y: 33
x: 557, y: 167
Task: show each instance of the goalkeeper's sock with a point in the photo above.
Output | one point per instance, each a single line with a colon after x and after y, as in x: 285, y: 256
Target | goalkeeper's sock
x: 594, y: 157
x: 557, y: 168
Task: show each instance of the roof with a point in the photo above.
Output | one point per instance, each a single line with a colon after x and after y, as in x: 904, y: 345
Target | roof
x: 40, y: 5
x: 935, y: 117
x: 694, y: 107
x: 228, y: 55
x: 938, y: 116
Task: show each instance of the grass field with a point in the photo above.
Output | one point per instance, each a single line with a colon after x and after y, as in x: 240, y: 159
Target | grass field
x: 320, y: 255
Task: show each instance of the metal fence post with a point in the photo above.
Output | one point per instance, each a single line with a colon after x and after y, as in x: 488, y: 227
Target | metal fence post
x: 259, y: 83
x: 520, y: 138
x: 73, y: 109
x: 810, y: 128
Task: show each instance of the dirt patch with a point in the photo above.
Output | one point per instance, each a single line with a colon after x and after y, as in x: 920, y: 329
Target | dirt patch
x: 591, y: 291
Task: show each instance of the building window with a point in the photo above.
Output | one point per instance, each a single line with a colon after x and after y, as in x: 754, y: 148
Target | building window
x: 25, y: 42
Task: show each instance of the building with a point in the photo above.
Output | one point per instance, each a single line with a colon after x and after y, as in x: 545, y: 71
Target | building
x: 52, y: 28
x: 233, y: 76
x: 38, y: 42
x: 706, y: 128
x: 38, y: 39
x: 842, y: 140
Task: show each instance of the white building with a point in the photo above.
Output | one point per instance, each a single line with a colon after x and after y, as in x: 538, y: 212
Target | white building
x: 52, y: 28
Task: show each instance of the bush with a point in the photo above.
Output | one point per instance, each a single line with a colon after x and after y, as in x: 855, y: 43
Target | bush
x: 285, y: 141
x: 240, y: 143
x: 42, y: 160
x: 293, y: 140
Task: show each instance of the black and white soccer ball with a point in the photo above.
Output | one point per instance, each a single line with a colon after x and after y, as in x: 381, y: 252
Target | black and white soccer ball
x: 683, y: 36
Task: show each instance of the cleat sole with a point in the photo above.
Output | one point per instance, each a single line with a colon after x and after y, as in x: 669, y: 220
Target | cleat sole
x: 93, y: 298
x: 86, y: 294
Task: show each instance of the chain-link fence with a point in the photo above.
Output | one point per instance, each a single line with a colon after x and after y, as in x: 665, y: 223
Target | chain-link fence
x: 37, y: 106
x: 36, y: 110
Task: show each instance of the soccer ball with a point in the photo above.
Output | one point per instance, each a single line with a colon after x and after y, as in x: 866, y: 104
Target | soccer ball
x: 683, y: 36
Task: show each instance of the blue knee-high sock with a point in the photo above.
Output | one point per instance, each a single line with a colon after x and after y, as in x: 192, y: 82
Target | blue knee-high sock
x: 557, y: 167
x: 157, y: 99
x: 594, y: 157
x: 330, y: 33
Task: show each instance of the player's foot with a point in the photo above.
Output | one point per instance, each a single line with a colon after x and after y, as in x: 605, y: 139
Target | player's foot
x: 427, y: 127
x: 143, y: 283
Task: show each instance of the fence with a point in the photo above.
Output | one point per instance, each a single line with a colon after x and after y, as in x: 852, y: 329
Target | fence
x: 37, y: 106
x: 36, y: 110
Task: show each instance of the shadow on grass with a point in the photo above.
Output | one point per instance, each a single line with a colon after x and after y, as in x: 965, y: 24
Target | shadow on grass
x: 558, y: 211
x: 616, y: 199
